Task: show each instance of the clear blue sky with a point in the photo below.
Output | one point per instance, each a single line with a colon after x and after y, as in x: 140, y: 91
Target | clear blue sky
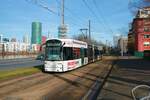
x: 16, y: 17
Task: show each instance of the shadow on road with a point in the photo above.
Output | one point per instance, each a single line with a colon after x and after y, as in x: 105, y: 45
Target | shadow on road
x: 136, y: 71
x: 137, y: 64
x: 128, y: 80
x: 125, y: 75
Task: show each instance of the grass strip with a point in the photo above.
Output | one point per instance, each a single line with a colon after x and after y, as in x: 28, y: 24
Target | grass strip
x: 18, y: 72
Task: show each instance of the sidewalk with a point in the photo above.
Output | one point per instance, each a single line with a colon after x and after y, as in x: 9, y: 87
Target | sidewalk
x: 126, y: 74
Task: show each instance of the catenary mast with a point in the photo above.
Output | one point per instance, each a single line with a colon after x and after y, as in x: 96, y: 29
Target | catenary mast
x: 62, y: 29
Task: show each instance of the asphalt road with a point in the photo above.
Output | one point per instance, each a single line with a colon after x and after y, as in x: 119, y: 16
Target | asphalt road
x: 19, y: 63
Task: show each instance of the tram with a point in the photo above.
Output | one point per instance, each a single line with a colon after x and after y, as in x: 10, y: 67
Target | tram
x: 67, y: 54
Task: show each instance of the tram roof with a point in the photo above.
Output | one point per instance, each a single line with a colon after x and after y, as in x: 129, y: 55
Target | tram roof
x: 71, y: 42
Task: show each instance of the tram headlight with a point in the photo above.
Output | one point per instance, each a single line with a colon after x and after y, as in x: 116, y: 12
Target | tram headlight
x: 60, y: 66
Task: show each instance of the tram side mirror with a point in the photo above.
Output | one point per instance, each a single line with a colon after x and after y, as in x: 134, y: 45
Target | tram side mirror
x: 63, y: 44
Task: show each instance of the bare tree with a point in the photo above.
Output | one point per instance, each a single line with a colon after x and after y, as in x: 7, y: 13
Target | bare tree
x: 135, y: 5
x: 83, y: 37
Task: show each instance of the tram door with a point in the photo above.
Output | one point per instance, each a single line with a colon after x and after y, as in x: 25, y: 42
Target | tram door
x: 82, y: 55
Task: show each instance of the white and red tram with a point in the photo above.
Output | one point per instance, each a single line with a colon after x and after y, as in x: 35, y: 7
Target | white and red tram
x: 67, y: 54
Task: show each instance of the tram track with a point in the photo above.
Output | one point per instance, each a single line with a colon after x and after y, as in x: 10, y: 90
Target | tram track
x: 77, y: 84
x: 13, y: 81
x: 20, y: 83
x: 96, y: 88
x: 70, y: 85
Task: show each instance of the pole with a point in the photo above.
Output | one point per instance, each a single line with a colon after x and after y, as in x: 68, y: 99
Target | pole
x: 89, y: 31
x: 62, y: 29
x: 3, y: 50
x: 62, y: 13
x: 106, y: 47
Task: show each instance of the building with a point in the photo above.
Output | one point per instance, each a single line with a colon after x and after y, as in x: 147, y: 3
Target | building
x: 36, y: 48
x: 143, y: 13
x: 36, y: 33
x: 115, y: 39
x: 139, y: 34
x: 44, y: 39
x: 131, y: 42
x: 123, y: 45
x: 15, y: 47
x: 13, y: 40
x: 5, y: 39
x: 10, y: 48
x: 1, y: 48
x: 26, y: 39
x: 1, y: 38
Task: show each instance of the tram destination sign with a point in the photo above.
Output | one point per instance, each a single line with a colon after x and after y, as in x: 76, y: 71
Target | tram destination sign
x: 53, y: 44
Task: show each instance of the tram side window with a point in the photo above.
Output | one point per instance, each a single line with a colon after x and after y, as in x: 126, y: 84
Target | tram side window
x: 67, y: 53
x: 95, y: 53
x: 90, y: 52
x: 85, y: 52
x: 76, y: 53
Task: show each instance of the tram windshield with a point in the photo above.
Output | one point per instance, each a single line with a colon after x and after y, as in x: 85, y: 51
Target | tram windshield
x: 53, y: 50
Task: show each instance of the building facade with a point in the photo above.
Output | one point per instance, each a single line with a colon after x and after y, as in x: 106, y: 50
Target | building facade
x: 10, y: 48
x: 122, y: 45
x: 139, y: 34
x: 36, y: 33
x: 115, y: 39
x: 131, y: 42
x: 141, y: 29
x: 44, y: 39
x: 14, y: 47
x: 26, y: 39
x: 1, y: 38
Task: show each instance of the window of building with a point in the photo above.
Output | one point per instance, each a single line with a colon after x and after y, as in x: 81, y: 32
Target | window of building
x: 147, y: 29
x: 146, y: 20
x: 146, y: 43
x: 146, y: 35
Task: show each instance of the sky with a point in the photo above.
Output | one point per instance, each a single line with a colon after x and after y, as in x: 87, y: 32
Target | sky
x: 108, y: 17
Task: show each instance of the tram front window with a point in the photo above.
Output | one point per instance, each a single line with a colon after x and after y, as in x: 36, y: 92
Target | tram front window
x: 53, y: 53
